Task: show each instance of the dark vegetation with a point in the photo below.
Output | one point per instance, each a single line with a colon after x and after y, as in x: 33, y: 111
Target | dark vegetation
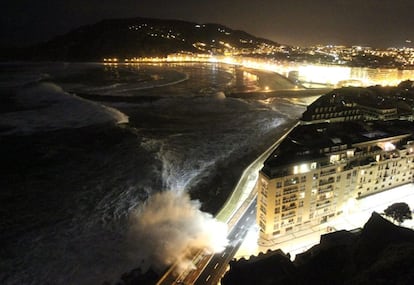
x: 134, y: 37
x: 381, y: 253
x: 398, y: 212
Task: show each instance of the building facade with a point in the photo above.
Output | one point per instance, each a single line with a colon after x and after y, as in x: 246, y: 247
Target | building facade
x: 319, y: 169
x: 348, y: 104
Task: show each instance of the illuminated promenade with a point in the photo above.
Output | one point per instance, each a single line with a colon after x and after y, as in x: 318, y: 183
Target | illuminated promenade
x: 312, y: 75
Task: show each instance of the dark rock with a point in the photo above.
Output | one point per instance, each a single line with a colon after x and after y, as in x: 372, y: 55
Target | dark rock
x: 137, y: 277
x: 271, y: 268
x: 382, y: 253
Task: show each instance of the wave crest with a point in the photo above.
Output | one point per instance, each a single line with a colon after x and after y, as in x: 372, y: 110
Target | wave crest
x: 46, y: 106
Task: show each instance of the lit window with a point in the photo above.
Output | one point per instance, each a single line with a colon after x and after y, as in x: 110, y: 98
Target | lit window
x: 334, y: 158
x: 387, y: 146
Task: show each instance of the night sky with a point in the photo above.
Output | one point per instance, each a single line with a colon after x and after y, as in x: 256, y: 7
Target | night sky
x: 377, y: 23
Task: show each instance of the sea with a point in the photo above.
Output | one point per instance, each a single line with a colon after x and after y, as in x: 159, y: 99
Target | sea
x: 85, y: 145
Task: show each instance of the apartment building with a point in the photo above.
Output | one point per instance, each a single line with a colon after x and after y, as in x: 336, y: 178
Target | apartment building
x: 320, y: 168
x: 348, y: 104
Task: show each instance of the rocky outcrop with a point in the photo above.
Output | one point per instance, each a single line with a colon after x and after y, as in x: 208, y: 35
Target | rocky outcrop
x: 381, y: 253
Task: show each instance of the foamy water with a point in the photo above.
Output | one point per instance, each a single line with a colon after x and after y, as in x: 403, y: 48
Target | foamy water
x: 74, y: 226
x: 48, y: 107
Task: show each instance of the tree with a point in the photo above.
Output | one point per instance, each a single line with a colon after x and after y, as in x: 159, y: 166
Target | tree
x: 398, y: 212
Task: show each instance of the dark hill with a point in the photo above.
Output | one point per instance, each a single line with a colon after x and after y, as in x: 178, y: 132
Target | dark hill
x: 136, y: 37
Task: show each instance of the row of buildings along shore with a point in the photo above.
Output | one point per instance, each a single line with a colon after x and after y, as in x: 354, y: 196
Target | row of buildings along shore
x: 351, y: 143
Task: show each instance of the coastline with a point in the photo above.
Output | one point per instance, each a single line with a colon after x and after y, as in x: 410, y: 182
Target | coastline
x: 105, y: 174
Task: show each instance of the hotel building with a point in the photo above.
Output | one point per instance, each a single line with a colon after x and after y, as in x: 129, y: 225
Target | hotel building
x: 348, y: 104
x: 319, y: 168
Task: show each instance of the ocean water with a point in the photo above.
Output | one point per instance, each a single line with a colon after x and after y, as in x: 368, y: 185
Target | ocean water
x: 85, y: 145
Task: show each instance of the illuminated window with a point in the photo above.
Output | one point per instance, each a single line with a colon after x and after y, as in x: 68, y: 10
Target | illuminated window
x: 334, y: 158
x: 350, y: 153
x: 387, y: 146
x: 303, y: 168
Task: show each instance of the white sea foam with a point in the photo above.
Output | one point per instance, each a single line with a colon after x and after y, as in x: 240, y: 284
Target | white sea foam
x: 123, y: 89
x: 169, y: 228
x: 47, y: 107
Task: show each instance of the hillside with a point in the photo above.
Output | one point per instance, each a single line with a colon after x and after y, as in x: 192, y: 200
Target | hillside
x: 137, y: 37
x: 379, y: 254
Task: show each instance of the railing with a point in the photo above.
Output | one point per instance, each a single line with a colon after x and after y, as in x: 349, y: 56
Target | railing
x: 290, y: 207
x: 288, y: 215
x: 290, y: 190
x: 323, y: 204
x: 325, y: 182
x: 324, y: 190
x: 325, y: 173
x: 290, y: 199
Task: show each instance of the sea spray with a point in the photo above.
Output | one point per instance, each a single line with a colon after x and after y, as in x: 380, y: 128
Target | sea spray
x: 169, y: 228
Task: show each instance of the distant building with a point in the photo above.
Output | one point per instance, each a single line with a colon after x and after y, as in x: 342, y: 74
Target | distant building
x: 294, y: 76
x: 352, y: 104
x: 318, y: 168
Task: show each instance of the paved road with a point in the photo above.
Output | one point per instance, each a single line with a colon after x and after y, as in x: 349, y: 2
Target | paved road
x: 217, y: 265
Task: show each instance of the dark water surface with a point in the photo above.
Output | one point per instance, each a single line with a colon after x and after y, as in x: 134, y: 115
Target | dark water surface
x: 71, y: 175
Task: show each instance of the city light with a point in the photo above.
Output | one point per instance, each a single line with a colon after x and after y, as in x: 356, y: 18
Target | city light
x: 324, y: 74
x: 310, y: 75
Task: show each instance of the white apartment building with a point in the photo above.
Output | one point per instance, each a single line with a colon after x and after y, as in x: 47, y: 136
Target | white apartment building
x: 319, y: 168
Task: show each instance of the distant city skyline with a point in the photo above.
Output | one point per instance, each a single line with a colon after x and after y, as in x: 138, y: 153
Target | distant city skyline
x: 373, y: 23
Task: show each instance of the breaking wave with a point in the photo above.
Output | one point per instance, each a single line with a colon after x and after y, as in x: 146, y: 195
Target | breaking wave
x: 169, y: 228
x: 46, y: 106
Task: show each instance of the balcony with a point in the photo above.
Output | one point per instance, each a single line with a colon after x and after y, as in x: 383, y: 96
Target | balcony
x: 325, y: 173
x: 323, y: 204
x: 323, y: 198
x: 326, y: 181
x: 290, y: 207
x: 288, y: 215
x: 290, y: 190
x: 325, y: 189
x: 289, y: 199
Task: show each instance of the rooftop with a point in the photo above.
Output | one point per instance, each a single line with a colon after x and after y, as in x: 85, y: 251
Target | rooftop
x: 310, y: 142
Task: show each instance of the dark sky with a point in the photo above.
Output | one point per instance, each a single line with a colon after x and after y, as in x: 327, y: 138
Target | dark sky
x: 378, y: 23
